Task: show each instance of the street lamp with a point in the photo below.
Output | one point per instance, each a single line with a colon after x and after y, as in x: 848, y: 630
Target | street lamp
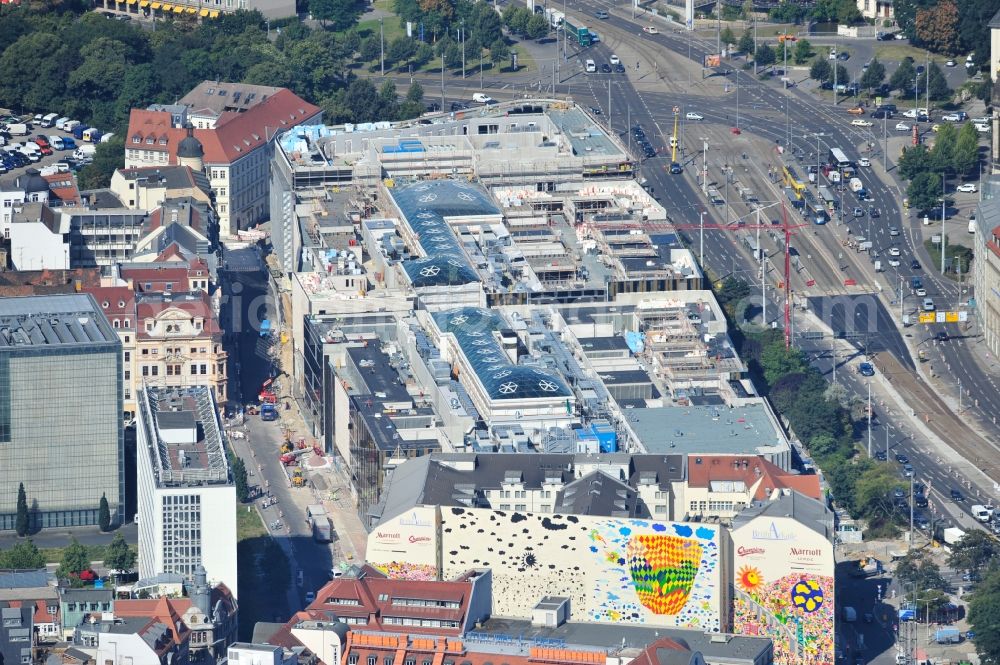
x: 944, y: 238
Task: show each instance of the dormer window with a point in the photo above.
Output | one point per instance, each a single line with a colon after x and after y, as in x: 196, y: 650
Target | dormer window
x: 136, y: 139
x: 150, y: 140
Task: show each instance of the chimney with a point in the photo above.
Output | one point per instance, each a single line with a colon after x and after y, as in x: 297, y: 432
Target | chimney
x: 200, y: 593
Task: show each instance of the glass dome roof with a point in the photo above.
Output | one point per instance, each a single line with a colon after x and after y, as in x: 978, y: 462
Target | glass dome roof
x: 474, y: 330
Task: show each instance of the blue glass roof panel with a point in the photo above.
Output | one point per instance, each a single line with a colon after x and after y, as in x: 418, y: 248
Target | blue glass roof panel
x: 474, y: 330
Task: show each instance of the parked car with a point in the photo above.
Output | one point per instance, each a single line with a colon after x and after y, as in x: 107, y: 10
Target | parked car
x: 605, y: 68
x: 951, y: 117
x: 619, y: 68
x: 614, y: 59
x: 902, y: 127
x: 691, y: 115
x: 966, y: 187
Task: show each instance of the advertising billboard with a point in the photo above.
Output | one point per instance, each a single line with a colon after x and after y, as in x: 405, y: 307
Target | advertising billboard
x: 783, y: 588
x: 407, y: 545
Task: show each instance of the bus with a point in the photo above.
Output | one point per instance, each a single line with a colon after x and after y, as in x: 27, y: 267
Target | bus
x: 827, y: 197
x: 793, y: 180
x: 838, y: 159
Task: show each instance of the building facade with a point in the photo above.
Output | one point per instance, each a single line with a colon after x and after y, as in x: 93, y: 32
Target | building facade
x: 986, y: 267
x: 187, y: 501
x: 60, y: 410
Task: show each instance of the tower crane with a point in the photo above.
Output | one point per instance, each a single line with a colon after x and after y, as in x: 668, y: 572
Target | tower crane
x: 788, y: 231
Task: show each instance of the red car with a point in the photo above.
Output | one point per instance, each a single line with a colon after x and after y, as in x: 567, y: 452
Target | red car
x: 41, y: 141
x: 45, y: 150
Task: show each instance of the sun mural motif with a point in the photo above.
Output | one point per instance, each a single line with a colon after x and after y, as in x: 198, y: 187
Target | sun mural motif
x: 749, y: 579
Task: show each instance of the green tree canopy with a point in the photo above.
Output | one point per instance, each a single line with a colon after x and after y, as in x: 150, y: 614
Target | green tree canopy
x: 902, y: 79
x: 820, y: 70
x: 747, y: 44
x: 75, y: 559
x: 104, y: 514
x: 943, y: 152
x: 873, y: 76
x: 934, y: 77
x: 764, y: 55
x: 727, y: 36
x: 966, y: 156
x: 22, y: 555
x: 914, y: 161
x: 108, y: 157
x: 119, y: 556
x: 924, y: 191
x: 974, y: 552
x: 803, y: 51
x: 21, y: 521
x: 984, y: 617
x: 537, y: 27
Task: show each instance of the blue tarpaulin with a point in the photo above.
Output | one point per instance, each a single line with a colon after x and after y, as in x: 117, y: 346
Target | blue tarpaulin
x: 636, y: 341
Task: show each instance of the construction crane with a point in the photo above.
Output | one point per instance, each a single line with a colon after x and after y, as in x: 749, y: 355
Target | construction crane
x: 787, y: 230
x: 675, y: 166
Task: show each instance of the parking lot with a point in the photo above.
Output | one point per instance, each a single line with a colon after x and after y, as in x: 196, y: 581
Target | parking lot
x: 10, y: 169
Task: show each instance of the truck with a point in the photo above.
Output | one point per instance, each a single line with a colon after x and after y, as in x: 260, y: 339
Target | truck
x: 61, y: 123
x: 49, y: 120
x: 92, y: 135
x: 555, y: 17
x: 981, y: 512
x: 856, y: 185
x: 70, y: 125
x: 952, y: 535
x: 268, y: 412
x: 78, y: 131
x: 320, y: 522
x: 17, y: 129
x: 578, y: 33
x: 948, y: 636
x: 867, y: 567
x: 84, y: 152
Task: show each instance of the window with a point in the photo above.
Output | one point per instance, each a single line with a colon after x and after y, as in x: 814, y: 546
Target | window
x: 117, y: 323
x: 353, y: 659
x: 145, y: 370
x: 156, y: 370
x: 504, y: 506
x: 519, y: 494
x: 371, y: 660
x: 520, y: 506
x: 194, y: 369
x: 128, y: 356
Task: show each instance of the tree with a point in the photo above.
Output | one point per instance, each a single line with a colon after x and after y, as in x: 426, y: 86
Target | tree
x: 984, y: 615
x: 400, y: 50
x: 787, y: 12
x: 974, y: 552
x: 943, y: 152
x: 839, y: 75
x: 74, y: 560
x: 485, y: 25
x: 902, y: 79
x: 22, y: 555
x: 936, y: 27
x: 966, y: 155
x: 746, y: 11
x: 803, y: 51
x: 21, y: 522
x: 424, y: 54
x: 108, y: 157
x: 873, y: 493
x: 515, y: 17
x: 537, y: 27
x: 820, y: 70
x: 839, y: 11
x: 777, y: 361
x: 764, y: 55
x: 914, y: 161
x: 746, y: 45
x: 934, y: 78
x: 499, y: 52
x: 119, y: 556
x: 873, y: 76
x: 923, y: 191
x: 917, y: 570
x: 370, y: 48
x: 240, y: 478
x: 415, y: 93
x: 727, y: 36
x: 104, y: 514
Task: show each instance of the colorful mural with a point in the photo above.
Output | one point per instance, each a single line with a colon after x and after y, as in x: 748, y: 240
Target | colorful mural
x: 407, y: 571
x: 613, y: 570
x: 783, y: 589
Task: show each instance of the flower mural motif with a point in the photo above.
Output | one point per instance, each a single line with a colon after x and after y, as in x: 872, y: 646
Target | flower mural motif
x: 807, y: 595
x: 749, y: 579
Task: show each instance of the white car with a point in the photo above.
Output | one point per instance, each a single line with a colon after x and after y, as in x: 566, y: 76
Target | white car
x: 902, y: 127
x: 894, y: 251
x: 650, y: 30
x: 691, y: 115
x: 615, y: 60
x: 482, y: 98
x: 921, y: 292
x: 985, y: 120
x: 893, y: 231
x: 864, y: 161
x: 951, y: 117
x: 858, y: 122
x: 966, y: 187
x: 982, y: 127
x: 893, y: 262
x: 910, y: 113
x: 949, y: 63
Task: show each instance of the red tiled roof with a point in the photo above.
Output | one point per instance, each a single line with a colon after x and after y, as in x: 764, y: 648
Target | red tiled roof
x: 120, y: 301
x: 165, y: 610
x: 753, y: 471
x: 198, y: 306
x: 63, y: 187
x: 648, y: 655
x: 235, y: 134
x: 156, y: 275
